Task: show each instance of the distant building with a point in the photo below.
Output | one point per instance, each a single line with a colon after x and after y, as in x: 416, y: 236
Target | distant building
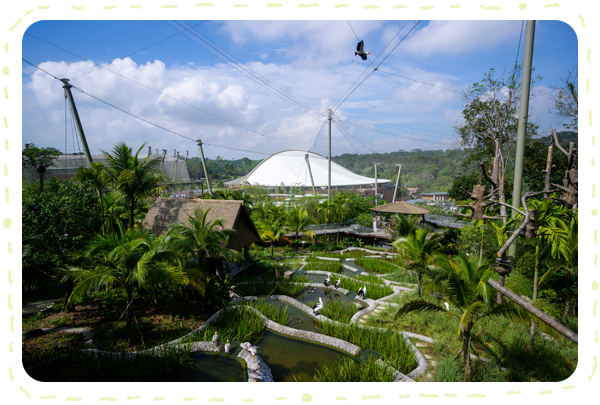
x: 435, y: 196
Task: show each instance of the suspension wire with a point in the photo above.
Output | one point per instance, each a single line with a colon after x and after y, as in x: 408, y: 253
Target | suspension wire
x: 519, y: 47
x: 149, y: 88
x: 359, y: 41
x: 419, y: 81
x: 248, y: 71
x: 74, y: 132
x: 315, y: 141
x: 65, y: 126
x: 132, y: 53
x: 398, y: 125
x: 335, y: 123
x: 355, y: 137
x: 411, y: 30
x: 394, y: 135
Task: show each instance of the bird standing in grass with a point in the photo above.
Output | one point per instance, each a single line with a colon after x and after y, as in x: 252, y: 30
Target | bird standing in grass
x: 317, y: 307
x: 447, y: 306
x: 337, y: 283
x: 362, y: 291
x: 215, y: 339
x: 360, y: 51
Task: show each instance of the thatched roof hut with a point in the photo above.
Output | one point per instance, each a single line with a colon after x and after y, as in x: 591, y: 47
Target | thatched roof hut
x: 165, y: 211
x: 400, y: 207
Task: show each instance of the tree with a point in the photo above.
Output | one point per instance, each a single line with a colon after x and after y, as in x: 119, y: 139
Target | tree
x: 490, y: 123
x: 131, y: 260
x: 297, y: 220
x: 40, y: 159
x: 566, y: 100
x: 58, y: 224
x: 403, y: 225
x: 133, y: 177
x: 203, y: 239
x: 418, y: 250
x: 271, y: 231
x: 466, y: 181
x: 462, y: 281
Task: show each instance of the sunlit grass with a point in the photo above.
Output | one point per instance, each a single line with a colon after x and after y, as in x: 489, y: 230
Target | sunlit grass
x: 372, y: 265
x: 349, y: 370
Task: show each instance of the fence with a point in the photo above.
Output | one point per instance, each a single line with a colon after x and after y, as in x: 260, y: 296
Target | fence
x: 442, y: 220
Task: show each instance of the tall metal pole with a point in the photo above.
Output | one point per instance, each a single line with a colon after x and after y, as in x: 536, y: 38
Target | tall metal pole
x: 397, y: 181
x: 522, y: 129
x: 68, y: 94
x: 329, y: 160
x: 204, y: 166
x: 311, y: 177
x: 376, y: 196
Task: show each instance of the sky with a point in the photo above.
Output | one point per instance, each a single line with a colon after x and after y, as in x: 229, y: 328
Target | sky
x: 254, y: 88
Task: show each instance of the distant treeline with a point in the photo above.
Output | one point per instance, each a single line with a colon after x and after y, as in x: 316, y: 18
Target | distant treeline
x: 430, y: 170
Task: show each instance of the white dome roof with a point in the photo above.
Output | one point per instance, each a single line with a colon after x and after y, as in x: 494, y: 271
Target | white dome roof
x: 289, y: 167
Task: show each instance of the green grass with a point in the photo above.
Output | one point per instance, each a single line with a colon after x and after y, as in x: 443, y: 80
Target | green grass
x: 269, y: 310
x: 402, y: 276
x: 237, y: 323
x: 374, y: 292
x: 322, y: 265
x: 337, y: 311
x: 370, y: 279
x: 372, y: 265
x: 503, y: 342
x: 389, y: 344
x: 113, y: 367
x: 349, y: 370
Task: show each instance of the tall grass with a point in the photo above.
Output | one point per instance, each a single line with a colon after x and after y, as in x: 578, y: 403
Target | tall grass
x: 269, y: 310
x: 236, y: 323
x: 389, y: 344
x: 402, y: 276
x: 372, y: 265
x: 332, y: 267
x: 374, y: 292
x: 338, y: 311
x: 114, y: 367
x: 349, y: 370
x: 370, y: 279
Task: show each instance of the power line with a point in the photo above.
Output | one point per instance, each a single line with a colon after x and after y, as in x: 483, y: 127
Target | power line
x: 353, y: 136
x: 419, y: 81
x: 411, y: 30
x: 143, y: 85
x: 342, y: 132
x: 132, y: 53
x: 248, y: 71
x: 398, y: 125
x: 394, y: 135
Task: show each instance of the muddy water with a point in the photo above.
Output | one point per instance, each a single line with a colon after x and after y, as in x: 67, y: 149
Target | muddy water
x: 288, y: 357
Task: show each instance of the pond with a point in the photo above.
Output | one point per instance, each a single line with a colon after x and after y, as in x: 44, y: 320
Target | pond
x: 288, y: 357
x: 326, y: 295
x: 218, y: 367
x: 294, y: 314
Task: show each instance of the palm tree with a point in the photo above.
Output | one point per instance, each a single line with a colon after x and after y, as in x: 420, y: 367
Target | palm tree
x: 131, y: 260
x: 133, y: 177
x: 202, y: 238
x: 404, y: 225
x: 340, y: 203
x: 462, y: 281
x: 417, y: 250
x: 271, y: 231
x: 297, y: 220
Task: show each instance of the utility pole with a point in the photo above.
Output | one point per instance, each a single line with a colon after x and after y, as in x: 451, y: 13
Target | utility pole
x: 204, y: 166
x: 68, y: 94
x: 311, y: 177
x: 376, y: 195
x: 329, y: 182
x: 397, y: 181
x: 522, y: 129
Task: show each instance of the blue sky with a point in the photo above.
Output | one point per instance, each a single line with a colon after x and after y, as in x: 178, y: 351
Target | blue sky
x: 301, y: 68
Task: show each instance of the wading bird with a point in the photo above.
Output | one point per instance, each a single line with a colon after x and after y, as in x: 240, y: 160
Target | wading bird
x: 327, y: 280
x: 337, y: 283
x: 360, y: 51
x: 215, y: 339
x: 227, y: 346
x: 362, y: 291
x: 317, y: 307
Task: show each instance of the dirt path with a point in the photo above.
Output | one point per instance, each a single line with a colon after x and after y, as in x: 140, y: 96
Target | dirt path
x: 33, y: 308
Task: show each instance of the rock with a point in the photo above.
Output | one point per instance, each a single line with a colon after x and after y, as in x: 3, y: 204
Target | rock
x: 288, y: 274
x: 33, y: 333
x: 428, y: 357
x: 421, y: 344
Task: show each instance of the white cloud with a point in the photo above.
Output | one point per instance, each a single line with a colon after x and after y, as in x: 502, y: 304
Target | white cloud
x: 456, y: 37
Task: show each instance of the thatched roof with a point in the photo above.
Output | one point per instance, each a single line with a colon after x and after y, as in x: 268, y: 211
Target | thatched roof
x: 400, y: 207
x: 165, y: 211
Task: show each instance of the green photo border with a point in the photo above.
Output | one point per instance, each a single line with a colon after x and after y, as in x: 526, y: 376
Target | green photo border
x: 586, y: 391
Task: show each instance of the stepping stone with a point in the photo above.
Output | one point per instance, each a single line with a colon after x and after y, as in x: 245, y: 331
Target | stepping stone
x: 428, y: 357
x: 421, y: 344
x: 433, y: 363
x: 429, y: 375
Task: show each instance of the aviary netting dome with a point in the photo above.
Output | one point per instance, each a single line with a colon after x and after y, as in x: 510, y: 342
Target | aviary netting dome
x: 290, y: 169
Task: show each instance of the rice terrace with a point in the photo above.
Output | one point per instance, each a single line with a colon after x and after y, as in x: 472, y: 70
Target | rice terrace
x: 402, y: 216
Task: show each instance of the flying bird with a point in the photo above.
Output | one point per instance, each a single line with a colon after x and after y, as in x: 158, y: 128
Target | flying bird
x: 317, y: 307
x: 360, y: 51
x: 362, y: 291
